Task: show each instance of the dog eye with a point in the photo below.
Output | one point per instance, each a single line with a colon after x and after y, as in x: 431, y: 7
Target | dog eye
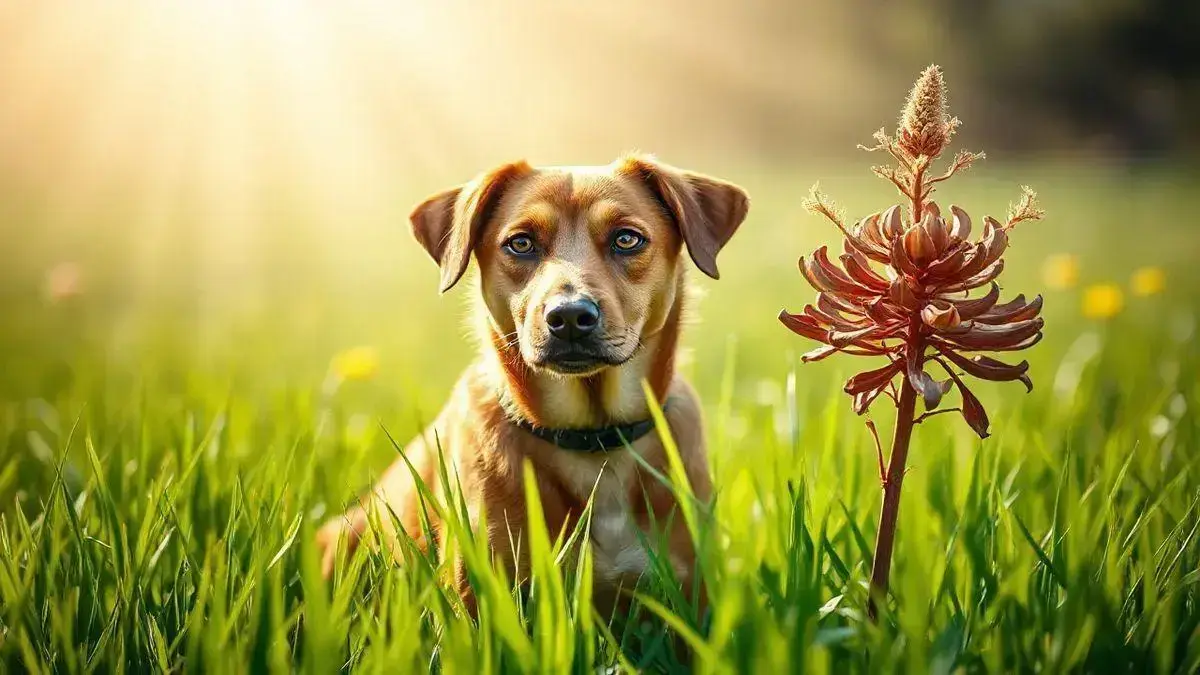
x: 627, y: 241
x: 520, y: 245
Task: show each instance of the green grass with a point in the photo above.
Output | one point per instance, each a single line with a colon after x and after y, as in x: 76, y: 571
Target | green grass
x: 165, y: 461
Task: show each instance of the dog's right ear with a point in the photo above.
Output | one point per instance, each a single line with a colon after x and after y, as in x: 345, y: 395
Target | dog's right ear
x: 449, y: 223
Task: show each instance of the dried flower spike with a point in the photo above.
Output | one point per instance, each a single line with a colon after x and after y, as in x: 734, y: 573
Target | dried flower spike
x: 925, y: 127
x: 902, y: 289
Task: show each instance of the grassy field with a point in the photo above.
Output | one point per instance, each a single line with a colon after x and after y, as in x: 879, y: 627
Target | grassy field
x: 170, y: 438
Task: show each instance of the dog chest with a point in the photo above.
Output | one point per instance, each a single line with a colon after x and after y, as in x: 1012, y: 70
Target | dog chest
x: 616, y: 541
x: 617, y: 549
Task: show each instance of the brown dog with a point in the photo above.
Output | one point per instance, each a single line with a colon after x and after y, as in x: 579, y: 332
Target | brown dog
x: 581, y: 291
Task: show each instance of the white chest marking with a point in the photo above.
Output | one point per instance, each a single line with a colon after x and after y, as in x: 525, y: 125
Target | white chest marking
x: 616, y: 546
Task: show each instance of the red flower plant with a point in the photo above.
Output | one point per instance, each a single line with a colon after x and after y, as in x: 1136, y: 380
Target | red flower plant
x: 902, y: 291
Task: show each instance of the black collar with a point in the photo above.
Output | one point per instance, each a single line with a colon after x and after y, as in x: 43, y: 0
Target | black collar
x: 602, y: 439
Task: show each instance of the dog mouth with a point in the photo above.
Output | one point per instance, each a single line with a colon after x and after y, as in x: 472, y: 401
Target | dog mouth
x: 576, y: 360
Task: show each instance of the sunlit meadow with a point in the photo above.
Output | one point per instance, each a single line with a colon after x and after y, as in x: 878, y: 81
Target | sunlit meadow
x: 210, y: 343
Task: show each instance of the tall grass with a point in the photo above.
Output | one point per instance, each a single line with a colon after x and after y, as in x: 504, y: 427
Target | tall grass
x: 162, y: 479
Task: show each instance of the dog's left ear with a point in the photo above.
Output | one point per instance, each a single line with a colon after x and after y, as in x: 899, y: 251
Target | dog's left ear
x: 707, y: 210
x: 449, y: 223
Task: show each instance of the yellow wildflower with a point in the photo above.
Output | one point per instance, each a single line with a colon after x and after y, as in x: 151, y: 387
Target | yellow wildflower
x: 1148, y: 281
x: 1061, y: 271
x: 358, y: 363
x: 1103, y: 301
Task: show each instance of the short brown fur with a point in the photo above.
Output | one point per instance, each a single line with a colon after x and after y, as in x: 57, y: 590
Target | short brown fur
x: 572, y: 214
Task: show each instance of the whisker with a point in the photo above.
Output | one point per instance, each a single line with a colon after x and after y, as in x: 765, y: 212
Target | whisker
x: 510, y: 339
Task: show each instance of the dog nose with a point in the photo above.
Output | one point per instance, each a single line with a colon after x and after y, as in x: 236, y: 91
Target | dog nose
x: 572, y: 320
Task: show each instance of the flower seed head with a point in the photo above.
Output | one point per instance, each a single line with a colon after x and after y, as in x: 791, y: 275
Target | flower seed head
x: 925, y: 126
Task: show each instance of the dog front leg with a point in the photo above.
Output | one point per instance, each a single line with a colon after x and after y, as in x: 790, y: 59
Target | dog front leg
x: 393, y: 498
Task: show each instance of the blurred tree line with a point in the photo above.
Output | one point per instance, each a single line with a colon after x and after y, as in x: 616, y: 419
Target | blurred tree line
x: 794, y: 78
x: 1117, y: 76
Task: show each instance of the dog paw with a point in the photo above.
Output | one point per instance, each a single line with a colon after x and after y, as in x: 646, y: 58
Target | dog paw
x: 329, y: 537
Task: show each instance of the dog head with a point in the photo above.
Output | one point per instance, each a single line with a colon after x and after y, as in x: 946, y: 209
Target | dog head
x: 579, y: 265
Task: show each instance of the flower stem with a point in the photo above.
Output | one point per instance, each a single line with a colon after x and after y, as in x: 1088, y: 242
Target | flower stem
x: 916, y: 192
x: 906, y: 406
x: 882, y: 565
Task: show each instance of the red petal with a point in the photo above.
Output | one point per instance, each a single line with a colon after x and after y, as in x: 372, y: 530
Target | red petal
x: 902, y: 294
x: 831, y: 302
x: 819, y: 353
x: 863, y: 259
x: 973, y: 412
x: 984, y: 338
x: 972, y: 409
x: 971, y: 308
x: 1025, y: 344
x: 839, y: 338
x: 900, y: 260
x: 834, y: 321
x: 950, y: 263
x: 873, y: 378
x: 919, y: 246
x: 868, y: 239
x: 976, y: 281
x: 1011, y: 305
x: 881, y: 312
x: 1010, y: 313
x: 824, y: 351
x: 818, y: 283
x: 939, y: 233
x: 961, y: 224
x: 823, y: 276
x: 803, y: 325
x: 892, y: 222
x: 863, y: 401
x: 821, y: 257
x: 988, y: 251
x: 863, y: 273
x: 987, y: 368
